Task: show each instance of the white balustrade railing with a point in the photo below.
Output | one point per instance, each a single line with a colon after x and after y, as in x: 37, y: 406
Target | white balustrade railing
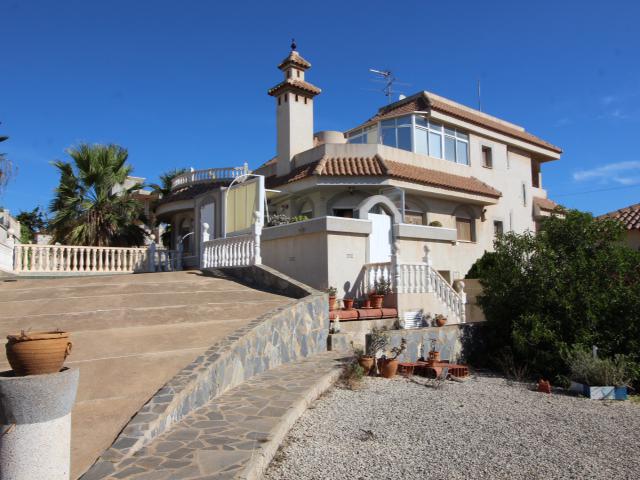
x: 208, y: 175
x: 80, y: 259
x: 239, y: 251
x: 417, y: 278
x: 374, y: 272
x: 422, y: 278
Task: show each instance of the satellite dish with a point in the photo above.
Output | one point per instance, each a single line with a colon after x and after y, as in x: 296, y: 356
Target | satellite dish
x: 401, y: 96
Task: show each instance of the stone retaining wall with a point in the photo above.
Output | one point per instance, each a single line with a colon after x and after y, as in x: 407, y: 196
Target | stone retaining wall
x: 454, y: 342
x: 282, y: 335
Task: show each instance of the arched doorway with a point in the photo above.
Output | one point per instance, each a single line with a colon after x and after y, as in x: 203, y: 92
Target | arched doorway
x: 381, y: 238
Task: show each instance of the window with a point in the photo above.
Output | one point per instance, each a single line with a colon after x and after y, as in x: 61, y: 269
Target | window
x: 487, y: 159
x: 498, y: 228
x: 413, y: 217
x: 535, y: 174
x: 418, y: 134
x: 464, y: 226
x: 343, y: 212
x: 298, y: 73
x: 524, y: 194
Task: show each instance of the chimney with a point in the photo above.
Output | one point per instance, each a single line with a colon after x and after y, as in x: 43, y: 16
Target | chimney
x: 294, y: 110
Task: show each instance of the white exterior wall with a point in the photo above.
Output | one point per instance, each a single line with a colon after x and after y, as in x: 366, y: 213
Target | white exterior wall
x: 294, y: 121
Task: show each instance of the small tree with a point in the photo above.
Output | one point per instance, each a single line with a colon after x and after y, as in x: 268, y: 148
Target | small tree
x: 31, y: 222
x: 574, y: 283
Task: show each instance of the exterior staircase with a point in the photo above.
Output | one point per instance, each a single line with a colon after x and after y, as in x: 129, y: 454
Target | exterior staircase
x: 131, y: 335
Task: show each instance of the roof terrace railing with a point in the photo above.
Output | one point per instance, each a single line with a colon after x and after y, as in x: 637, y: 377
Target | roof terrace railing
x: 208, y: 175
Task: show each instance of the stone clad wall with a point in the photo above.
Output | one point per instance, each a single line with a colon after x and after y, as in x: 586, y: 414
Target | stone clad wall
x: 285, y: 334
x: 452, y: 341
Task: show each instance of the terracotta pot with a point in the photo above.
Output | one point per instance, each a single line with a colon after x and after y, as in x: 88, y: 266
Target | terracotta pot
x: 332, y: 302
x: 434, y: 356
x: 366, y: 303
x: 544, y: 386
x: 366, y: 362
x: 37, y: 353
x: 441, y: 322
x: 376, y: 301
x: 348, y: 303
x: 388, y: 368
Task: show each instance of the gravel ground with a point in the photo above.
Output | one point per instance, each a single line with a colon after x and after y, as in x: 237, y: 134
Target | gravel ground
x: 485, y: 428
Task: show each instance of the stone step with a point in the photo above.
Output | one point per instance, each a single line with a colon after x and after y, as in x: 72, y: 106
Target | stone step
x: 234, y: 435
x: 120, y: 317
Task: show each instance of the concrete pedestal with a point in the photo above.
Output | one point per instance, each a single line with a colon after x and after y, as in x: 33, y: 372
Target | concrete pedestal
x: 35, y: 419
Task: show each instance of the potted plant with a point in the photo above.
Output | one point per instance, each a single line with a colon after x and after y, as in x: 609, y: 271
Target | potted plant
x: 599, y: 378
x: 440, y: 320
x: 377, y: 342
x: 365, y: 361
x: 381, y: 288
x: 433, y: 355
x: 348, y: 303
x: 389, y: 365
x: 332, y: 291
x: 37, y: 353
x: 435, y: 223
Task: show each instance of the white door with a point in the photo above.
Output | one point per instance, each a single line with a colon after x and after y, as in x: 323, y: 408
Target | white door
x: 380, y: 238
x: 207, y: 212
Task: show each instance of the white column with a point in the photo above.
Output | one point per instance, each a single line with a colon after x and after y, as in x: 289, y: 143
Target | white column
x: 151, y: 267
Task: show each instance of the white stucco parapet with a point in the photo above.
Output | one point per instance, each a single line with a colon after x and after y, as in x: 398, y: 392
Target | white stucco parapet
x: 316, y: 225
x: 424, y: 232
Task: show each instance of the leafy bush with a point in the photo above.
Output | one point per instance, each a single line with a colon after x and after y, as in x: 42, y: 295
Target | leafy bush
x: 574, y: 283
x: 282, y: 219
x: 435, y: 223
x: 599, y: 371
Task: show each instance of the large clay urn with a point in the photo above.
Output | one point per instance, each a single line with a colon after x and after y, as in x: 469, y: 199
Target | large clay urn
x: 37, y: 353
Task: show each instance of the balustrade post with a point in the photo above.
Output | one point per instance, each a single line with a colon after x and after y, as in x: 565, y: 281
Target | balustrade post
x: 151, y: 267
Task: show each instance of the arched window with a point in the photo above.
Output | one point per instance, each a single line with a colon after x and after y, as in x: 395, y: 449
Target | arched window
x: 306, y: 209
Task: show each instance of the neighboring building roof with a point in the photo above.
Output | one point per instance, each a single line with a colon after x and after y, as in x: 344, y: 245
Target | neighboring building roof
x: 191, y: 191
x: 629, y: 216
x: 294, y: 84
x: 425, y: 101
x: 378, y: 167
x: 545, y: 204
x: 295, y: 59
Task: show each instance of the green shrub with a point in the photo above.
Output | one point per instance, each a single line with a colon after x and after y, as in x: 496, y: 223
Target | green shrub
x: 574, y: 283
x: 586, y: 369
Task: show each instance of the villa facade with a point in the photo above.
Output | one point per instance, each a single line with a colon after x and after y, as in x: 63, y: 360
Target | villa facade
x: 417, y: 192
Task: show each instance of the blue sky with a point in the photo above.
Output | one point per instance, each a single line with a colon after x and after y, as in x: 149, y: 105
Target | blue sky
x: 184, y: 83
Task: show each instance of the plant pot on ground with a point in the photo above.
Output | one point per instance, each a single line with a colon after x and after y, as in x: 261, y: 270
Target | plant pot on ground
x: 599, y: 378
x: 366, y: 362
x: 37, y: 353
x: 332, y: 291
x: 388, y: 366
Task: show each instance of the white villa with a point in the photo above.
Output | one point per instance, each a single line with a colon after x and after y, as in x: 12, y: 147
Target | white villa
x: 415, y: 194
x: 426, y: 183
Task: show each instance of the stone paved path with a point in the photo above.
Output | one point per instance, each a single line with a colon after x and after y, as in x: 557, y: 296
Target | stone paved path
x: 131, y: 334
x: 237, y: 434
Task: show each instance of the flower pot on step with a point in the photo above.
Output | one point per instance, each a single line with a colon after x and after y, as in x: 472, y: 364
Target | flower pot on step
x: 332, y: 302
x: 376, y: 301
x: 37, y: 353
x: 388, y: 368
x: 366, y: 362
x: 348, y: 303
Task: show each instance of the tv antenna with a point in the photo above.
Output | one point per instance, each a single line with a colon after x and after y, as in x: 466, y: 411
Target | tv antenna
x: 388, y: 78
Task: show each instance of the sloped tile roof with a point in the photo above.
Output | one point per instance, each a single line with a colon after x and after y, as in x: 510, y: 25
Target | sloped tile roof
x: 191, y: 191
x: 425, y: 102
x: 294, y: 84
x: 629, y: 216
x: 295, y: 58
x: 545, y: 203
x: 376, y: 166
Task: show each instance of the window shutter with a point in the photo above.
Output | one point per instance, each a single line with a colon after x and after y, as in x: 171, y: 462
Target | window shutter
x: 463, y: 226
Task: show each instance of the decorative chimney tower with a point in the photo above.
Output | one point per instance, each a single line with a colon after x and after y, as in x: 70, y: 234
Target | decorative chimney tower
x: 294, y: 110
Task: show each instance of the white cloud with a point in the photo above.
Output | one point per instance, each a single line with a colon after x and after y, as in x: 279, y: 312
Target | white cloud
x: 624, y: 173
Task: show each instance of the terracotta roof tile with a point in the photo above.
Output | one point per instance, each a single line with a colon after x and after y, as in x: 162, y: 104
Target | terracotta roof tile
x: 295, y: 58
x: 545, y: 203
x: 629, y: 216
x: 422, y: 102
x: 437, y: 178
x: 191, y: 191
x: 294, y: 84
x: 376, y: 166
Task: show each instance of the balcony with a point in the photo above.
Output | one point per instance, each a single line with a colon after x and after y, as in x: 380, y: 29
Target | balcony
x: 224, y: 174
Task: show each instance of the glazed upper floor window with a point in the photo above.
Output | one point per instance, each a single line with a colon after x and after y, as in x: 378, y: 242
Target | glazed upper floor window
x: 416, y: 133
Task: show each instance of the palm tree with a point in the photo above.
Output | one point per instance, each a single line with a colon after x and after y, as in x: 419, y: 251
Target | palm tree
x: 87, y: 208
x: 164, y: 187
